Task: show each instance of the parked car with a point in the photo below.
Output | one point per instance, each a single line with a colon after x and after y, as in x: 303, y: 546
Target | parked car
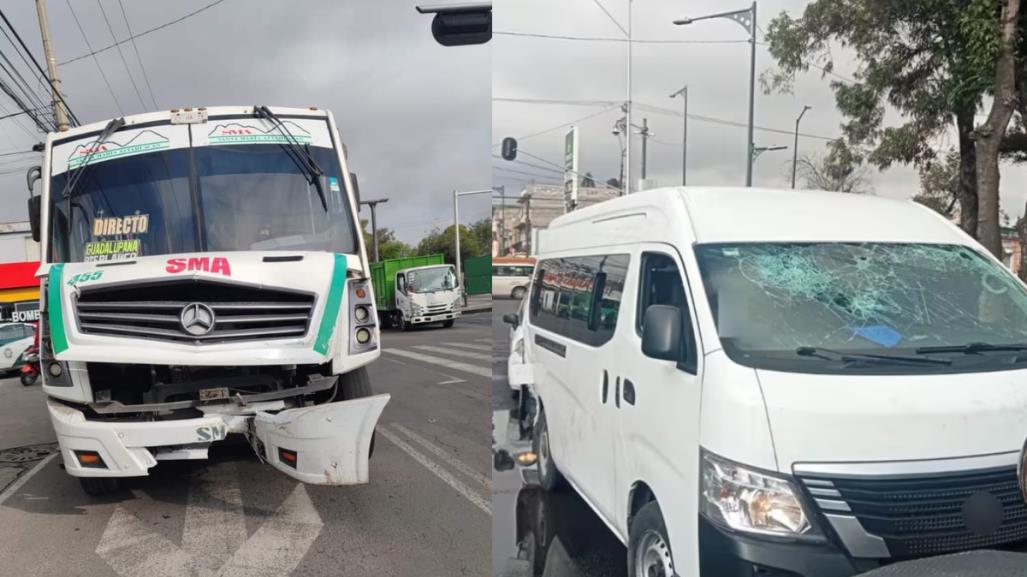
x: 511, y: 276
x: 14, y: 339
x: 746, y: 381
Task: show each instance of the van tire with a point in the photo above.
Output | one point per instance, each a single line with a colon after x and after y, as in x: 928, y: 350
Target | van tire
x: 518, y: 293
x: 356, y: 384
x: 549, y: 475
x: 648, y: 545
x: 98, y: 486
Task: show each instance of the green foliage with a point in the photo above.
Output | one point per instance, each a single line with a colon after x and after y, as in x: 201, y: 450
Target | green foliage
x: 388, y: 245
x: 442, y: 241
x: 939, y: 184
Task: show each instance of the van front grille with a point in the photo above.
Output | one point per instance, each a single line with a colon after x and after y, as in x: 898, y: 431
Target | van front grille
x: 218, y: 312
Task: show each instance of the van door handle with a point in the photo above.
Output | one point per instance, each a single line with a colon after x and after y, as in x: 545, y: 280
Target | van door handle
x: 616, y: 393
x: 606, y: 386
x: 629, y: 392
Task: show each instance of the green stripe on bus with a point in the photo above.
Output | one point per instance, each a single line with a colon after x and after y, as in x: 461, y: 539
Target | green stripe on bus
x: 54, y: 310
x: 332, y: 305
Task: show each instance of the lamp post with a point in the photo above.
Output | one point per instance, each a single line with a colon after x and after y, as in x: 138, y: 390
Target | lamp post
x: 684, y: 134
x: 374, y: 222
x: 795, y: 145
x: 456, y: 234
x: 746, y: 19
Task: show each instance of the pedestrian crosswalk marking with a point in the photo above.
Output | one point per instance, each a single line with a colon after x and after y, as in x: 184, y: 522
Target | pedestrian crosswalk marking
x: 442, y: 362
x: 454, y: 352
x: 472, y: 346
x: 444, y: 455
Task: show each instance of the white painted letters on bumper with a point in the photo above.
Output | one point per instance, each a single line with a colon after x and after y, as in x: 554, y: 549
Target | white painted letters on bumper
x: 330, y: 443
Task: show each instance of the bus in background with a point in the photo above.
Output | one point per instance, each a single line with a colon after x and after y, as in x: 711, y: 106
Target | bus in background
x: 511, y: 276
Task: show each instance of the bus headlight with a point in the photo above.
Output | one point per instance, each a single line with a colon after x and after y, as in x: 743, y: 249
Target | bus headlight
x: 751, y: 501
x: 363, y: 336
x: 361, y: 314
x: 362, y: 318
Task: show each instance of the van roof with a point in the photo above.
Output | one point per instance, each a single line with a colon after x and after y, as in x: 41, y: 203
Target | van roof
x: 735, y: 214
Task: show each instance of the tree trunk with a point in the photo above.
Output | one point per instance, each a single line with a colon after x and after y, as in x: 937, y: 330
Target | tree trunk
x: 967, y: 171
x: 990, y: 134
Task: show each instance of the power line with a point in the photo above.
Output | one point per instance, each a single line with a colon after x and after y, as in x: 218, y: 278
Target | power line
x: 538, y: 166
x: 510, y: 170
x: 714, y: 120
x: 611, y: 39
x: 10, y: 40
x: 18, y: 151
x: 135, y: 47
x: 53, y: 87
x: 557, y: 101
x: 95, y: 59
x: 11, y: 70
x: 121, y: 54
x: 143, y: 33
x: 564, y: 125
x: 610, y: 16
x: 21, y: 104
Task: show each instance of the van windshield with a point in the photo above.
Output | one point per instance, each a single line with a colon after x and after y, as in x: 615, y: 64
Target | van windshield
x: 771, y: 299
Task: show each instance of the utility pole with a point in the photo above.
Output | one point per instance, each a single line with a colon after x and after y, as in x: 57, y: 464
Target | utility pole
x: 60, y: 112
x: 374, y: 222
x: 502, y: 218
x: 626, y: 185
x: 684, y: 135
x: 752, y: 92
x: 645, y: 137
x: 456, y: 235
x: 795, y: 145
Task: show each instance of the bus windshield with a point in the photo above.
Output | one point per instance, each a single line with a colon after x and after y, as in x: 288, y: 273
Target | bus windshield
x: 245, y: 197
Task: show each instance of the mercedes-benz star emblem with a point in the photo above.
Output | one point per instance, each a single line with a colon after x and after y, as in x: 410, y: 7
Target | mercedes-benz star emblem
x: 197, y: 319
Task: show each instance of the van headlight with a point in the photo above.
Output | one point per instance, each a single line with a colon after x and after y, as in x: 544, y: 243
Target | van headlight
x: 751, y: 501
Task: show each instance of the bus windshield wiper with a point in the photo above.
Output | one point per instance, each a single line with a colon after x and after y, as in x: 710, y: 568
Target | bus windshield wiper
x: 298, y: 153
x: 972, y: 348
x: 830, y: 354
x: 76, y: 173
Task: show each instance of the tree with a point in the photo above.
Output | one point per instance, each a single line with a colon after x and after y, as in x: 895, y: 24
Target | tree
x: 989, y: 135
x: 482, y: 233
x: 613, y: 183
x: 389, y: 246
x: 916, y: 56
x: 442, y: 241
x: 839, y: 170
x: 588, y: 181
x: 939, y: 185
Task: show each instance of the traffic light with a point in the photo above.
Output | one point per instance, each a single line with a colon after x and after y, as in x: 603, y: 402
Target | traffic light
x: 460, y: 24
x: 509, y: 148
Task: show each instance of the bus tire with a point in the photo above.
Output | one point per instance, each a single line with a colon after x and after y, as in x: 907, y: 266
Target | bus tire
x: 98, y: 486
x: 356, y: 384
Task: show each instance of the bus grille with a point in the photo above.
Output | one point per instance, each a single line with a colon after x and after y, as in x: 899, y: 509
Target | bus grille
x: 157, y: 311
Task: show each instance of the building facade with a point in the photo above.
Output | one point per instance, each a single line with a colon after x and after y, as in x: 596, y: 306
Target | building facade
x: 19, y: 260
x: 540, y: 204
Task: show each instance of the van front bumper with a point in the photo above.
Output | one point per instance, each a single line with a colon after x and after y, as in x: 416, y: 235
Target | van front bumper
x: 725, y: 553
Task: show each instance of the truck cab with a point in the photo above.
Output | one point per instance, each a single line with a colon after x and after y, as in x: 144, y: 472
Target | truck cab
x: 202, y: 275
x: 416, y: 290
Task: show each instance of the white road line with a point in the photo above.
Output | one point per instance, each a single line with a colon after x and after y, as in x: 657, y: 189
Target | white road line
x: 452, y: 382
x: 439, y: 361
x: 24, y: 478
x: 215, y: 523
x: 438, y: 471
x: 472, y: 346
x: 454, y: 352
x: 445, y: 456
x: 133, y: 549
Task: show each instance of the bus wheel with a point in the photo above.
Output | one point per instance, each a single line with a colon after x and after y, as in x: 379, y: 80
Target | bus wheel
x: 648, y: 546
x: 98, y: 486
x: 356, y: 384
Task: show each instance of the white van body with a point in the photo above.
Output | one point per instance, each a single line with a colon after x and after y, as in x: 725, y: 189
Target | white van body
x: 625, y: 429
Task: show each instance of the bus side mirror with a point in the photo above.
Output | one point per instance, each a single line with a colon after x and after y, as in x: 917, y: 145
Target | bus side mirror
x: 661, y: 333
x: 356, y: 187
x: 35, y: 202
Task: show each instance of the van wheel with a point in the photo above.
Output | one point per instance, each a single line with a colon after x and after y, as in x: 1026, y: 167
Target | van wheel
x: 98, y: 486
x: 648, y: 546
x: 356, y: 384
x: 518, y: 293
x: 549, y: 476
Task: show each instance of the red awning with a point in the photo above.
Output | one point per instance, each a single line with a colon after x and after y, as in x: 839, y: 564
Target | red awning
x: 18, y: 275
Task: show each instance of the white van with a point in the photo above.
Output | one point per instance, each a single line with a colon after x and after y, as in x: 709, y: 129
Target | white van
x: 511, y: 276
x: 763, y: 382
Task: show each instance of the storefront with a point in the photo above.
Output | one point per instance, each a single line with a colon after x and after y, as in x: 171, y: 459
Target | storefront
x: 19, y: 292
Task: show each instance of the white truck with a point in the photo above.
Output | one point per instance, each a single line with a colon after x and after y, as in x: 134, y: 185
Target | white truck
x: 202, y: 275
x: 416, y: 290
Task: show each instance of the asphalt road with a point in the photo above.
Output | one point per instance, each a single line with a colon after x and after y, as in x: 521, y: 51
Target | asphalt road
x: 425, y: 511
x: 535, y: 533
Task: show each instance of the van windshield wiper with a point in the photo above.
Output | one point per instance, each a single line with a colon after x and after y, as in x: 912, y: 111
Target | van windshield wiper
x: 972, y: 348
x: 76, y: 173
x: 298, y: 153
x: 831, y: 354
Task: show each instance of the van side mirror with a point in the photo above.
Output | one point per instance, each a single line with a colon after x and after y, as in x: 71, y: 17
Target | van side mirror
x: 512, y: 319
x: 1023, y: 470
x: 661, y: 333
x: 356, y: 187
x: 35, y: 202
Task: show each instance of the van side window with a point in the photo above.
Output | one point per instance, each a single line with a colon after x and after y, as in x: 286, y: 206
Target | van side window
x: 579, y: 297
x: 661, y: 284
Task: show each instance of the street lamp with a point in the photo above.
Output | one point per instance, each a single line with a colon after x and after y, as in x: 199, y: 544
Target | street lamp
x: 746, y: 19
x: 795, y: 145
x: 683, y: 93
x: 374, y: 221
x: 456, y: 234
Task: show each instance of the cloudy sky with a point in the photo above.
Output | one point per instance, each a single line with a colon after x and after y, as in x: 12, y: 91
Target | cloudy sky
x: 415, y: 115
x: 717, y: 76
